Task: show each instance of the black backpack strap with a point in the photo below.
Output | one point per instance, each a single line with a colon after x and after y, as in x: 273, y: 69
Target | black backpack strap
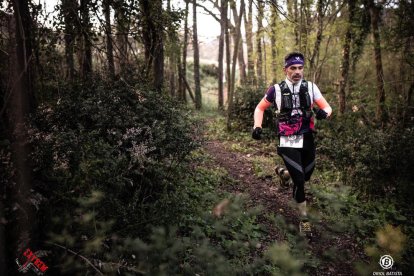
x: 286, y: 99
x: 305, y: 100
x: 304, y: 86
x: 283, y: 85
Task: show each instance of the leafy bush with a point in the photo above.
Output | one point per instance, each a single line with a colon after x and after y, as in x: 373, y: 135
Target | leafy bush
x: 209, y: 70
x: 377, y: 163
x: 120, y: 195
x: 246, y: 101
x: 122, y: 141
x: 374, y: 161
x: 380, y: 226
x: 205, y: 241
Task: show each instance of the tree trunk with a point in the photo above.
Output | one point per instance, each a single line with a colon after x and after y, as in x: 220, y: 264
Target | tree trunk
x: 227, y: 39
x: 108, y: 34
x: 273, y: 27
x: 233, y: 69
x: 296, y: 22
x: 319, y: 35
x: 318, y: 70
x: 178, y: 67
x: 345, y: 58
x: 292, y: 7
x: 121, y: 36
x: 152, y: 34
x: 3, y: 254
x: 358, y: 43
x: 223, y: 20
x: 188, y: 88
x: 196, y: 59
x: 86, y: 35
x: 375, y: 19
x: 158, y: 67
x: 248, y: 25
x: 172, y: 53
x: 264, y: 59
x: 7, y: 61
x: 259, y: 58
x: 185, y: 43
x: 180, y: 72
x: 69, y: 8
x: 304, y: 24
x: 21, y: 104
x: 147, y: 35
x: 408, y: 98
x: 240, y: 56
x: 242, y: 63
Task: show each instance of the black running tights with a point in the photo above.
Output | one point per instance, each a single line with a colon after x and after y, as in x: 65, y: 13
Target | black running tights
x: 300, y: 164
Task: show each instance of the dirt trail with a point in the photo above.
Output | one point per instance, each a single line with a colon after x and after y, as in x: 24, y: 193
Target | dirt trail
x: 278, y: 201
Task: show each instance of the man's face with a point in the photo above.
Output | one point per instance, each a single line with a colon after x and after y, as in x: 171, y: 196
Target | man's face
x: 294, y: 73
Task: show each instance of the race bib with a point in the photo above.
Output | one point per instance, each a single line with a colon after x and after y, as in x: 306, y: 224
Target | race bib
x: 291, y: 141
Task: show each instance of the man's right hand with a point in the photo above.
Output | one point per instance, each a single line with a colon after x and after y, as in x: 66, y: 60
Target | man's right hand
x: 257, y: 133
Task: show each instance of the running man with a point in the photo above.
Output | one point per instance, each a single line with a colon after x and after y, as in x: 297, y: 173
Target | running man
x: 294, y: 99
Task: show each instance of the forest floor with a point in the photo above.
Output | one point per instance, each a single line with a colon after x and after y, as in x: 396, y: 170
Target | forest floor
x: 327, y: 252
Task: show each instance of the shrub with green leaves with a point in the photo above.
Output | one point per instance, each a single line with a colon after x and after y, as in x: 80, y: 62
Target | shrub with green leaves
x: 377, y: 163
x: 209, y: 70
x: 374, y: 161
x: 125, y: 142
x: 246, y: 101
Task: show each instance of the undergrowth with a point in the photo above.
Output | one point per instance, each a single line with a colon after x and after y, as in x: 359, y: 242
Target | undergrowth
x: 122, y: 187
x: 340, y: 193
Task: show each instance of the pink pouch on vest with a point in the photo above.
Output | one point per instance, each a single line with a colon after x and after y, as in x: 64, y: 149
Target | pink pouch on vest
x: 290, y: 128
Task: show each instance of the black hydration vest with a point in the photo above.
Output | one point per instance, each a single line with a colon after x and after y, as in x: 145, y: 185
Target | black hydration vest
x: 286, y: 100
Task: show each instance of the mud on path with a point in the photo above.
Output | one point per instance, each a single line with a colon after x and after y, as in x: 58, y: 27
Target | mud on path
x: 278, y: 201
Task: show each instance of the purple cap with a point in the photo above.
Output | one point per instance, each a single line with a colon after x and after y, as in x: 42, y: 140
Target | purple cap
x: 294, y: 60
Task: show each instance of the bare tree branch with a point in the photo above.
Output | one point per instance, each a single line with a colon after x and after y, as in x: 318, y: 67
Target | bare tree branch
x: 209, y: 12
x: 79, y: 255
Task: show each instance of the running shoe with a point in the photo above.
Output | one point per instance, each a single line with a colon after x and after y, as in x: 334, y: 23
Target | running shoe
x: 305, y: 228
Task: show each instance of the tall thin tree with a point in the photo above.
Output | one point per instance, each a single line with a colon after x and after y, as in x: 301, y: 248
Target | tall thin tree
x: 108, y: 36
x: 362, y: 27
x: 320, y: 8
x: 375, y: 21
x: 69, y: 8
x: 173, y: 51
x: 248, y: 26
x: 233, y: 69
x: 20, y: 105
x: 158, y: 67
x: 86, y: 51
x: 293, y: 12
x: 152, y: 35
x: 223, y: 19
x: 259, y: 34
x: 345, y: 58
x: 3, y: 249
x: 184, y: 58
x: 240, y: 54
x: 196, y: 59
x: 228, y: 61
x: 121, y: 21
x: 303, y: 26
x: 264, y: 59
x: 273, y: 27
